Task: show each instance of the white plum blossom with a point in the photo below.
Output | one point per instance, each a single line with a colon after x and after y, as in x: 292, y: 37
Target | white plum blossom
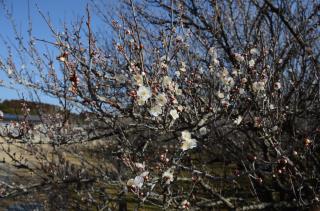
x: 185, y: 204
x: 214, y: 56
x: 161, y: 99
x: 220, y: 95
x: 203, y: 131
x: 258, y: 86
x: 174, y: 114
x: 166, y: 81
x: 274, y: 128
x: 225, y: 72
x: 180, y: 108
x: 239, y: 57
x: 254, y: 51
x: 137, y: 182
x: 271, y: 106
x: 138, y: 79
x: 235, y: 72
x: 185, y: 135
x: 140, y: 165
x: 252, y: 63
x: 238, y: 120
x: 244, y: 80
x: 144, y: 93
x: 163, y: 65
x: 130, y: 183
x: 144, y: 174
x: 201, y: 70
x: 156, y: 110
x: 168, y: 176
x: 188, y: 142
x: 183, y: 67
x: 178, y: 91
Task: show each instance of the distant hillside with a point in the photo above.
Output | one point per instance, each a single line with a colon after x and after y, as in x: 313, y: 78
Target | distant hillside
x: 15, y: 107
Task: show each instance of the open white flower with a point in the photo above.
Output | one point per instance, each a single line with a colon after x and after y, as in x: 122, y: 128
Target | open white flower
x: 252, y: 63
x: 188, y: 142
x: 168, y: 176
x: 239, y: 57
x: 155, y: 110
x: 214, y: 56
x: 183, y: 67
x: 163, y: 65
x: 177, y: 90
x: 166, y: 81
x: 185, y: 135
x: 130, y: 183
x: 185, y: 204
x: 138, y: 79
x: 258, y: 86
x: 140, y: 165
x: 138, y: 181
x: 220, y: 95
x: 174, y: 114
x: 161, y: 99
x: 203, y: 131
x: 238, y: 120
x: 254, y: 51
x: 144, y: 93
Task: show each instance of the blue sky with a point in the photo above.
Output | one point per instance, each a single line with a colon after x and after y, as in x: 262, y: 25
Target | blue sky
x: 59, y: 11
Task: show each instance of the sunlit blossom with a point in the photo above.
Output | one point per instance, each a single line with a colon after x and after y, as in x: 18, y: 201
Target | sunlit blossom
x: 180, y: 108
x: 185, y: 204
x: 244, y: 80
x: 239, y: 57
x: 156, y: 110
x: 214, y: 56
x: 188, y: 142
x: 166, y: 81
x: 183, y: 67
x: 168, y: 176
x: 144, y: 93
x: 254, y: 51
x: 203, y: 131
x: 238, y: 120
x: 138, y: 181
x: 178, y: 91
x: 252, y: 63
x: 138, y: 79
x: 258, y: 86
x: 161, y: 99
x: 220, y: 95
x: 174, y: 114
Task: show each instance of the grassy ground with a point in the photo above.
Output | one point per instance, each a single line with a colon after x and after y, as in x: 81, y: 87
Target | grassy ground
x: 51, y: 196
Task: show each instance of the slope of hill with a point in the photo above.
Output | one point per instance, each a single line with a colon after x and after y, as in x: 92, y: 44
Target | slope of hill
x: 17, y: 107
